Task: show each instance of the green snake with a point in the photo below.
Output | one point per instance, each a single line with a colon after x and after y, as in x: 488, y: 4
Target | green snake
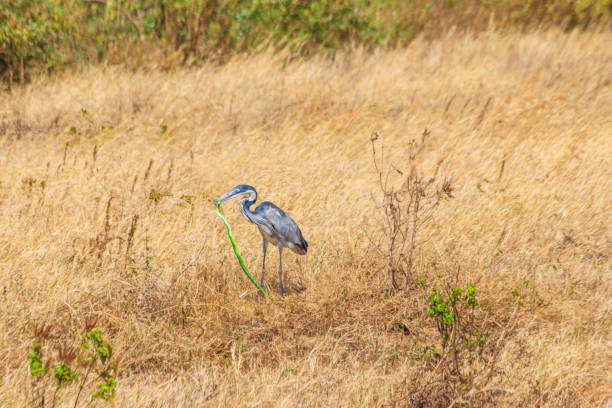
x: 231, y: 237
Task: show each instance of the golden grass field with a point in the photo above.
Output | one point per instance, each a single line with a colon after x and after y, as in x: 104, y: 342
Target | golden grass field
x: 520, y: 123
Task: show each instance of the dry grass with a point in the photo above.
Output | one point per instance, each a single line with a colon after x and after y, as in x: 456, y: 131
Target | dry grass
x: 522, y: 123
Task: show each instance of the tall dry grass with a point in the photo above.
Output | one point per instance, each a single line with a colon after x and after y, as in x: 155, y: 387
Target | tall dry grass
x: 521, y: 123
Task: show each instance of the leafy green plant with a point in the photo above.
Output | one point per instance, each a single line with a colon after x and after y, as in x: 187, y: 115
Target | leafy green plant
x: 43, y: 35
x: 29, y: 33
x: 529, y: 291
x: 454, y: 314
x: 517, y: 295
x: 71, y: 365
x: 37, y: 369
x: 97, y: 353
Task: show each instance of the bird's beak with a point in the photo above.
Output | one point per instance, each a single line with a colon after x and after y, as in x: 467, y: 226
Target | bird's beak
x: 224, y: 197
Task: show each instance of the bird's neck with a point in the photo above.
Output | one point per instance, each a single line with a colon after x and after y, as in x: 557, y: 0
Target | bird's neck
x: 245, y: 205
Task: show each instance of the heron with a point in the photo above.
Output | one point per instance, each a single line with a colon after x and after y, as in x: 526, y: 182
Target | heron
x: 275, y: 226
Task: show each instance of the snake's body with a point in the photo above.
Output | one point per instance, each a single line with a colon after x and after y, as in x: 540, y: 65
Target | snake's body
x: 231, y: 237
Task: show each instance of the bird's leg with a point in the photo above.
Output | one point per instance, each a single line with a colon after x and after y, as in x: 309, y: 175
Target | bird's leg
x: 263, y: 266
x: 280, y: 267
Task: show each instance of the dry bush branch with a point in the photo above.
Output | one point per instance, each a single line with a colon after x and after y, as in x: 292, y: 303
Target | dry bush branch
x: 408, y: 203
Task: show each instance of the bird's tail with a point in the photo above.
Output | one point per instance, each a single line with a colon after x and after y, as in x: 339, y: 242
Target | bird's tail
x: 302, y: 246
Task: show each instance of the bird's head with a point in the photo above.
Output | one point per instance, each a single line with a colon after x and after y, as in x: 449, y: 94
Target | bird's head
x: 237, y: 191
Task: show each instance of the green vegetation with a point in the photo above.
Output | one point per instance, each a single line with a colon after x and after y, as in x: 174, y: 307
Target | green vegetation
x: 38, y: 36
x: 73, y: 366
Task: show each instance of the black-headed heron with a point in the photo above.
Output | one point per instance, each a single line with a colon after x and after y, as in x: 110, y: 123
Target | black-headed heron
x: 274, y: 224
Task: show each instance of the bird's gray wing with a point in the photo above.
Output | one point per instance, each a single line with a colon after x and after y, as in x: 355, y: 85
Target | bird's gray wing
x: 283, y: 226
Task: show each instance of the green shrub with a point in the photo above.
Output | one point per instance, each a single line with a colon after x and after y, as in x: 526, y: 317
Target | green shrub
x: 31, y: 36
x: 41, y: 35
x: 71, y: 365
